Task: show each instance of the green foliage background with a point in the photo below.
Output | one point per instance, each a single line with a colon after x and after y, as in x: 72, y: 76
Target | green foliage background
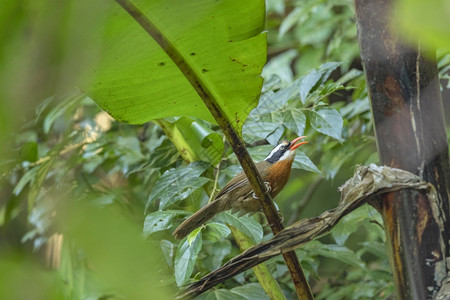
x: 116, y: 191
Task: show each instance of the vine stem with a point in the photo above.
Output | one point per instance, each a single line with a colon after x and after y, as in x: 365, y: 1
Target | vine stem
x: 298, y: 277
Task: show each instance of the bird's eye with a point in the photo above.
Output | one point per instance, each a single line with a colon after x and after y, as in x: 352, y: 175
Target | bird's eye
x: 283, y: 147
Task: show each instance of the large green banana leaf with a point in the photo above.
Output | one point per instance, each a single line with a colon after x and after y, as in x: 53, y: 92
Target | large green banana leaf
x: 221, y: 40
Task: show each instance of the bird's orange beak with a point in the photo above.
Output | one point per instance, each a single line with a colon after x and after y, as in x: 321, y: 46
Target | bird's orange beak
x: 294, y: 146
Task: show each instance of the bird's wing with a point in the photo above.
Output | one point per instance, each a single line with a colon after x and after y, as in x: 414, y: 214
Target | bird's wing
x: 233, y: 184
x: 241, y: 180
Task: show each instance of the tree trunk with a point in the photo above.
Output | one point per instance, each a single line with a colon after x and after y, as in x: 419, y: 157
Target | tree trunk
x: 409, y: 123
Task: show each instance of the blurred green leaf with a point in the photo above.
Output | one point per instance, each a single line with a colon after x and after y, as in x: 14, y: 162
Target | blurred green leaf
x: 338, y: 252
x: 350, y: 223
x: 177, y: 184
x: 220, y: 294
x: 29, y: 152
x: 424, y: 21
x: 28, y: 177
x: 159, y: 220
x: 20, y: 278
x: 327, y: 121
x: 185, y: 259
x: 214, y: 253
x: 262, y: 126
x: 251, y: 291
x: 246, y: 224
x: 375, y: 248
x: 277, y: 73
x: 130, y: 149
x: 222, y: 230
x: 196, y: 135
x: 295, y: 120
x: 67, y: 104
x: 291, y: 19
x: 338, y: 154
x: 168, y: 250
x: 104, y: 237
x: 309, y: 81
x: 301, y: 161
x: 355, y: 108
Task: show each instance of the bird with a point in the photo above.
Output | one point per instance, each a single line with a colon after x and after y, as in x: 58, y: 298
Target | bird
x: 238, y: 195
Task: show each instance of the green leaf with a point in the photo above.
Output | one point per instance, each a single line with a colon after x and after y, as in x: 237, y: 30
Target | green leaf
x: 338, y: 252
x: 295, y: 120
x: 290, y: 20
x: 159, y: 220
x: 350, y: 223
x: 220, y: 294
x: 355, y: 108
x: 309, y: 81
x: 193, y: 235
x: 278, y: 71
x: 336, y: 155
x: 215, y: 252
x: 260, y: 152
x: 185, y: 259
x: 29, y: 152
x: 343, y: 229
x: 221, y: 41
x: 168, y: 249
x: 130, y: 150
x: 303, y: 162
x: 250, y: 291
x: 28, y: 177
x: 327, y: 121
x: 66, y: 105
x: 375, y: 248
x: 196, y: 135
x: 177, y: 184
x: 222, y: 230
x: 246, y: 224
x: 424, y: 21
x: 263, y: 126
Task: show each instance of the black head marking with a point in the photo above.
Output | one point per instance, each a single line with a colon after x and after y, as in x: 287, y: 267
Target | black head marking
x: 278, y: 152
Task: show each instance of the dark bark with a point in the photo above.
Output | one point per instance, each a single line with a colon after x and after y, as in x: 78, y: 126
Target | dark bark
x: 409, y: 123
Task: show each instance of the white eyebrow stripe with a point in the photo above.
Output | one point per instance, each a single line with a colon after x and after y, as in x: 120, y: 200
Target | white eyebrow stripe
x: 273, y: 151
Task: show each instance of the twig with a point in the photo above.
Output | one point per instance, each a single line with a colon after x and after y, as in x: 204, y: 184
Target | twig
x: 216, y: 179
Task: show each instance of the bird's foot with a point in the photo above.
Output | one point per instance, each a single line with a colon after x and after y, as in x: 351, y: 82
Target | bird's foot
x: 268, y: 189
x: 280, y: 215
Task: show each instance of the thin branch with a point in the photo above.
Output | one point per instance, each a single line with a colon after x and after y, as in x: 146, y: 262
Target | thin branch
x: 268, y: 207
x: 216, y: 180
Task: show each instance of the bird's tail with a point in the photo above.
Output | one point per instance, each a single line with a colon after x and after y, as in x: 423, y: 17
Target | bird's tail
x: 200, y: 217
